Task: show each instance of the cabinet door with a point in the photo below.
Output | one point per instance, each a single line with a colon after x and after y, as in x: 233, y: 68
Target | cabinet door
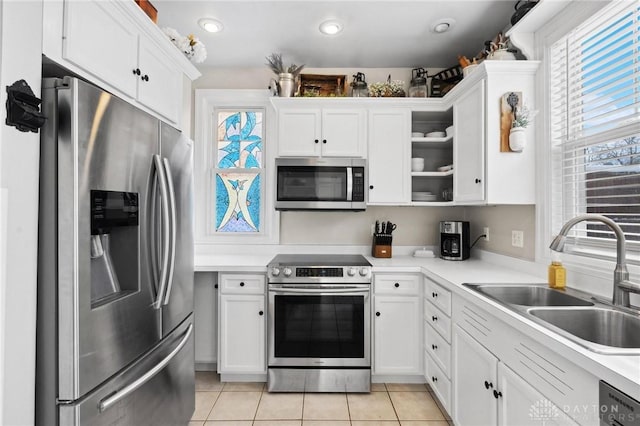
x: 520, y: 404
x: 103, y: 41
x: 299, y: 132
x: 474, y: 377
x: 343, y: 133
x: 242, y: 334
x: 397, y: 335
x: 469, y: 145
x: 159, y: 83
x: 389, y: 156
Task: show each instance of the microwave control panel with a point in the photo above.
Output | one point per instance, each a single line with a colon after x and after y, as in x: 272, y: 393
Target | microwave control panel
x: 358, y: 184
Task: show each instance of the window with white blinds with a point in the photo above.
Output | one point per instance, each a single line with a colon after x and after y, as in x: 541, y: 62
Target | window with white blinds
x: 595, y: 127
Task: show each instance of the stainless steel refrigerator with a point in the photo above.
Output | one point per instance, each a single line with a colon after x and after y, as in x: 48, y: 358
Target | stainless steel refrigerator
x: 115, y: 275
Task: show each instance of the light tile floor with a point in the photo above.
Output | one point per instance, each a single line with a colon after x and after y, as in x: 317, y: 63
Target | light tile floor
x: 249, y: 404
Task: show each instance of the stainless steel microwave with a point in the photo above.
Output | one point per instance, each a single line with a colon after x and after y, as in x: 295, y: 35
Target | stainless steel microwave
x: 321, y: 183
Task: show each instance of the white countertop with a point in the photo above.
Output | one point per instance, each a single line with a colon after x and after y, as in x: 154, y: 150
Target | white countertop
x: 621, y: 371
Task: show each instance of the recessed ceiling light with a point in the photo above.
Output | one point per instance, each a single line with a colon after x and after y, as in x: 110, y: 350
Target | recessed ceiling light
x: 330, y: 27
x: 211, y: 25
x: 442, y: 25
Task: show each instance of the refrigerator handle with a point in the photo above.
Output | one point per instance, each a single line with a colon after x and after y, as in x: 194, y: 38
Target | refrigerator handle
x: 173, y: 233
x: 166, y: 226
x: 106, y: 403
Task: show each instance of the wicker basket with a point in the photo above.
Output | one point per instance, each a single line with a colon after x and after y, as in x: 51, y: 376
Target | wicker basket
x: 445, y: 80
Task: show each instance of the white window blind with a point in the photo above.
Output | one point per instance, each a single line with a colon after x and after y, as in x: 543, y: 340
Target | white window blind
x: 595, y: 127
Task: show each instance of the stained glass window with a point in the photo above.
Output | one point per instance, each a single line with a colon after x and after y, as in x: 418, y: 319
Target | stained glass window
x: 238, y: 171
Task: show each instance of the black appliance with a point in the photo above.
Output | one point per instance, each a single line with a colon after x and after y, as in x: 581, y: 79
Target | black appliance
x: 454, y: 240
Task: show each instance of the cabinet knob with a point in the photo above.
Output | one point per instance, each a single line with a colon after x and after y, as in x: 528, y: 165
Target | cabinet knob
x: 145, y: 77
x: 434, y: 318
x: 497, y: 394
x: 242, y: 284
x: 397, y: 285
x: 324, y: 141
x: 316, y: 141
x: 478, y: 180
x: 434, y: 347
x: 136, y: 71
x: 370, y: 186
x: 488, y: 385
x: 434, y: 379
x: 215, y: 286
x: 434, y: 295
x: 261, y: 313
x: 377, y: 314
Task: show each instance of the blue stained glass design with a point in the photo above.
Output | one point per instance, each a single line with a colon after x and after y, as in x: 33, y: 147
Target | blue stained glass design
x: 240, y: 140
x: 237, y: 202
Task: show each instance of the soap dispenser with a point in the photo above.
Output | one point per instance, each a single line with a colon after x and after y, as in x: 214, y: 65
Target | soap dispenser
x: 557, y: 272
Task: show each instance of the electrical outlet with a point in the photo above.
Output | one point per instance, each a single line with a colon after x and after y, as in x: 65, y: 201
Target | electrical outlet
x: 517, y: 238
x: 485, y: 231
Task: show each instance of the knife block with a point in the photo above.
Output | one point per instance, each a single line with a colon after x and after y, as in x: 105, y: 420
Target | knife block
x: 381, y: 246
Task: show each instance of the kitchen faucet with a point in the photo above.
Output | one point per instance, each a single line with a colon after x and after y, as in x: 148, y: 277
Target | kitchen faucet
x: 621, y: 284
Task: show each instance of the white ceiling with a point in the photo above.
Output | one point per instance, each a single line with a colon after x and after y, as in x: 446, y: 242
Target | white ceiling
x: 377, y: 34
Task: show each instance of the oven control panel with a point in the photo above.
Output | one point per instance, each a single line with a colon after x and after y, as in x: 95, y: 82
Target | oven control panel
x: 302, y: 274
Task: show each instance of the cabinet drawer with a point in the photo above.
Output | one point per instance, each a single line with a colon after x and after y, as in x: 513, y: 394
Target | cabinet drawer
x: 242, y: 284
x: 439, y: 383
x: 438, y: 348
x: 438, y: 320
x: 438, y: 295
x: 397, y: 284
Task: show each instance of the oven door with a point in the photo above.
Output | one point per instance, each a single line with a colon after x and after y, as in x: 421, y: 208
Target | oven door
x: 319, y: 325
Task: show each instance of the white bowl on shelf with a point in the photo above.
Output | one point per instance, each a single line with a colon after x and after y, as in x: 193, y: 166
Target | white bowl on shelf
x: 423, y: 196
x: 417, y: 134
x: 417, y: 164
x: 436, y: 134
x: 449, y: 131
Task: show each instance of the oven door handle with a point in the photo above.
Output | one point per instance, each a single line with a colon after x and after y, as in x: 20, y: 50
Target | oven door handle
x: 320, y: 290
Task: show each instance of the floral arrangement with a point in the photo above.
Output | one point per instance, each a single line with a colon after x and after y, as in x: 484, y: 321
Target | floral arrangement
x: 390, y: 88
x: 522, y: 117
x: 274, y: 61
x: 190, y: 45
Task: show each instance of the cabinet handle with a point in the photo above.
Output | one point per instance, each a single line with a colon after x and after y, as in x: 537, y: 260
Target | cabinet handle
x: 434, y: 379
x: 434, y: 318
x: 488, y: 385
x: 261, y: 313
x: 136, y: 71
x: 434, y: 295
x: 316, y: 141
x: 478, y: 180
x: 242, y: 284
x: 497, y: 394
x: 145, y: 77
x: 397, y: 285
x: 370, y: 186
x: 434, y: 347
x: 324, y: 141
x: 377, y: 314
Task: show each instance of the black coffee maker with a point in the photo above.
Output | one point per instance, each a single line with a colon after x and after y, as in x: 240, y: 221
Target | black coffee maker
x: 454, y: 240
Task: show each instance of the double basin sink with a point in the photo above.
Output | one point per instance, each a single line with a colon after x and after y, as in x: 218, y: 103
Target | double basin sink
x: 577, y: 316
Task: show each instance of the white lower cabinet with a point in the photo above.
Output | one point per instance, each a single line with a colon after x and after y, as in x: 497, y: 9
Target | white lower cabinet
x: 397, y: 332
x: 242, y: 325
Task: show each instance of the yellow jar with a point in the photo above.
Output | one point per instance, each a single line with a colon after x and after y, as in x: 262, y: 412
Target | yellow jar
x: 557, y: 275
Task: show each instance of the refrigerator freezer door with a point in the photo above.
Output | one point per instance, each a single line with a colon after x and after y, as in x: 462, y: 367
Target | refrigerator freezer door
x: 178, y: 300
x: 157, y: 390
x: 105, y: 146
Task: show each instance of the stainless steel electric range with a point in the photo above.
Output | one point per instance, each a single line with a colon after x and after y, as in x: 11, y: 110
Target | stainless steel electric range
x: 319, y: 337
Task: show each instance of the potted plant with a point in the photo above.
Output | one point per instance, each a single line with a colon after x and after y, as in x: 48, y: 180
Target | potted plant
x: 287, y: 76
x: 522, y: 117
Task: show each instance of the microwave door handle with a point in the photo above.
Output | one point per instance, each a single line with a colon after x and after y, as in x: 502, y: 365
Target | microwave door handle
x: 166, y: 215
x: 173, y: 227
x: 349, y: 183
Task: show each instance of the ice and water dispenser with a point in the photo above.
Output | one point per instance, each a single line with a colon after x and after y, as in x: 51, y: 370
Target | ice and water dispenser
x: 114, y: 244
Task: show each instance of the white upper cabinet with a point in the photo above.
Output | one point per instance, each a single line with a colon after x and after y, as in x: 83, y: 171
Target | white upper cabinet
x: 388, y: 159
x: 321, y: 132
x: 114, y: 45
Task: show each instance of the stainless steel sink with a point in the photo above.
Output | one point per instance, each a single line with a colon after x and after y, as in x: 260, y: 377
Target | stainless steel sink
x: 529, y: 295
x: 592, y: 323
x: 603, y: 326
